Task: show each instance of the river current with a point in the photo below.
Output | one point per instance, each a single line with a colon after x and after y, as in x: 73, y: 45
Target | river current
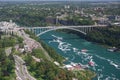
x: 106, y: 64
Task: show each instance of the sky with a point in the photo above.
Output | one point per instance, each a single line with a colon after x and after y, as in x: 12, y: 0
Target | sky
x: 59, y: 0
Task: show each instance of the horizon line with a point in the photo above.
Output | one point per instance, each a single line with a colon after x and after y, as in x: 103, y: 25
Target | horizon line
x: 66, y: 0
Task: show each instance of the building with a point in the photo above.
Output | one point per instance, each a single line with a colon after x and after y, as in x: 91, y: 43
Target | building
x: 67, y: 6
x: 8, y: 27
x: 117, y: 18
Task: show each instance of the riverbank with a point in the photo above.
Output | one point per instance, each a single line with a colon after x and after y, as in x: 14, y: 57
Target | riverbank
x: 107, y: 42
x: 56, y: 58
x: 71, y: 46
x: 108, y: 36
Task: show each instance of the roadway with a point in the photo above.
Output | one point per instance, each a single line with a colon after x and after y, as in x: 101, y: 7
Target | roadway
x: 81, y: 26
x: 32, y: 44
x: 21, y: 69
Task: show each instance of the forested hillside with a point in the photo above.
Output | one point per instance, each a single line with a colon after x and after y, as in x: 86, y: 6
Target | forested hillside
x: 109, y: 36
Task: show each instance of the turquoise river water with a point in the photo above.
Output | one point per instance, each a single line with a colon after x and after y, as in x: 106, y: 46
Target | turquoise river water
x: 106, y: 64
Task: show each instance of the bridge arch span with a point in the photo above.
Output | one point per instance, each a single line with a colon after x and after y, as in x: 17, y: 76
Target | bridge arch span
x: 61, y: 28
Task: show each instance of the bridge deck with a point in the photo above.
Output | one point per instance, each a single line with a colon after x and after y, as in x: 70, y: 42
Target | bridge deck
x: 66, y: 26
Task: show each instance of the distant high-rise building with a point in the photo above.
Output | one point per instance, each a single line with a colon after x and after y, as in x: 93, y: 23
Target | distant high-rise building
x: 67, y: 6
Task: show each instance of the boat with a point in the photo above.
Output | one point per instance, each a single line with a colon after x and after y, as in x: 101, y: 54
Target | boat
x: 113, y: 49
x: 91, y: 63
x: 84, y: 50
x: 73, y: 64
x: 83, y: 66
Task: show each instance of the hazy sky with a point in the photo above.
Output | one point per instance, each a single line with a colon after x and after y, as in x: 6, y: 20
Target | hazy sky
x: 59, y: 0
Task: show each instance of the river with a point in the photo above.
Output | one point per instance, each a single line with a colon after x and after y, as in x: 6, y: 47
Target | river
x: 106, y: 64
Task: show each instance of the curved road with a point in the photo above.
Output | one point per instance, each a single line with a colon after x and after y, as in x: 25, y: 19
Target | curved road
x: 21, y: 69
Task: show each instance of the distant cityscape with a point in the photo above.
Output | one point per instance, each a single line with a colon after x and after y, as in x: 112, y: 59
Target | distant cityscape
x: 62, y: 13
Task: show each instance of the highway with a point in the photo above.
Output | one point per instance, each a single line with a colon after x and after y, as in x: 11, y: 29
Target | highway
x: 21, y: 69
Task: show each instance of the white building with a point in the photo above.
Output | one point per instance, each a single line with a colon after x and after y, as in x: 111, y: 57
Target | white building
x: 8, y: 27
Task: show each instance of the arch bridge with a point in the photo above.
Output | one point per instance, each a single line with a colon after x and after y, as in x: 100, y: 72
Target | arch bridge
x: 82, y: 29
